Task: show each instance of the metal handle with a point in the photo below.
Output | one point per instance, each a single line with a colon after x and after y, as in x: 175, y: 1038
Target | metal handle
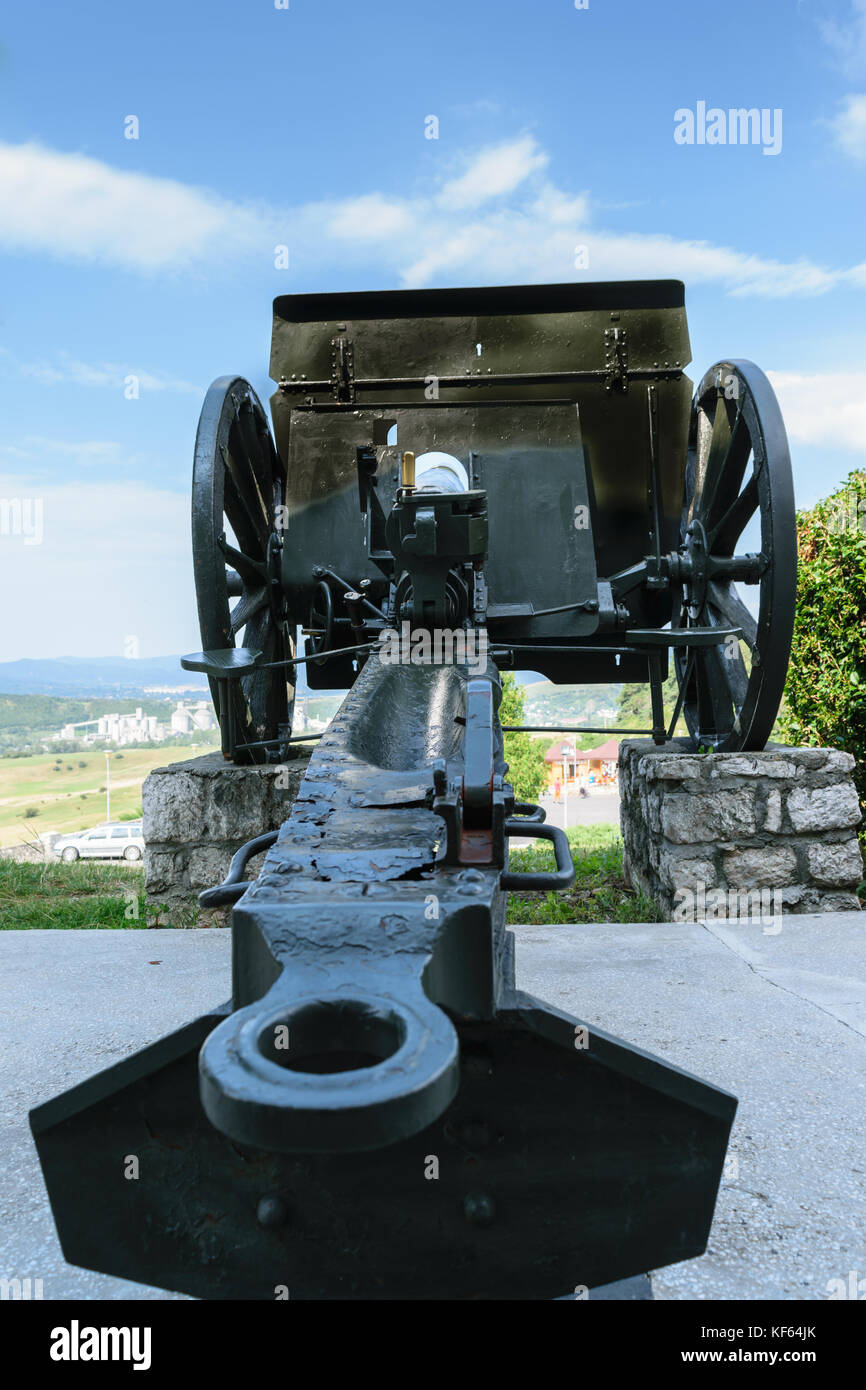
x: 233, y: 885
x: 541, y: 882
x: 527, y: 810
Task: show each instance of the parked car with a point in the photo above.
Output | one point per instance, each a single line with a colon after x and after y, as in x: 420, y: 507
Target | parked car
x: 117, y: 840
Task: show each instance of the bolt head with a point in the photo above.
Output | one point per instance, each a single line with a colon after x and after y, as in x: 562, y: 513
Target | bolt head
x: 478, y: 1209
x: 271, y: 1212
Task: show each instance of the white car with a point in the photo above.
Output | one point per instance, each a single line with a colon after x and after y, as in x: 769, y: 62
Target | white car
x: 117, y: 840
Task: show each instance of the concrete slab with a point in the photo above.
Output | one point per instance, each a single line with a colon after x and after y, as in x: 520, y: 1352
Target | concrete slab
x: 74, y: 1002
x: 780, y: 1020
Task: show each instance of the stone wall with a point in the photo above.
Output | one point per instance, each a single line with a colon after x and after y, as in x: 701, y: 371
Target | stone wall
x: 198, y: 813
x: 783, y: 819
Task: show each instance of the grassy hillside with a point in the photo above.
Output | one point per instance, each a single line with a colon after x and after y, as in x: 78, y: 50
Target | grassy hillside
x: 66, y: 794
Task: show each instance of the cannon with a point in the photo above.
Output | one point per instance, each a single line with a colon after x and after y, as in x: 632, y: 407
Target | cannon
x: 458, y: 482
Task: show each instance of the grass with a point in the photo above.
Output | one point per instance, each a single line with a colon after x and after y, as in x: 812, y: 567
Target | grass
x: 70, y: 798
x: 599, y: 892
x: 90, y: 894
x: 85, y: 894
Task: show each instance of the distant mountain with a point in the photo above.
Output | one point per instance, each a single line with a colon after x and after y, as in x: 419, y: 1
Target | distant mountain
x: 90, y: 677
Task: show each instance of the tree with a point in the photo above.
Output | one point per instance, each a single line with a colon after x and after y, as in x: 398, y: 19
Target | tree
x: 525, y: 755
x: 635, y: 705
x: 825, y: 692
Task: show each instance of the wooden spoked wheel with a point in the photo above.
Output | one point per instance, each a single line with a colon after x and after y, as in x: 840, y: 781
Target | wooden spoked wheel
x: 738, y: 469
x: 237, y: 493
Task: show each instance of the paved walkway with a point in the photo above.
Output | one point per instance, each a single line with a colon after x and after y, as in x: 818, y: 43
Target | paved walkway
x: 583, y: 810
x: 778, y: 1020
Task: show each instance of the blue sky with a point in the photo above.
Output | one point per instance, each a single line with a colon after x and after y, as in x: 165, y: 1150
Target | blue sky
x: 305, y: 126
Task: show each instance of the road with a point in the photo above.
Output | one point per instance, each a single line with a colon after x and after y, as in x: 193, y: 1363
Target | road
x: 583, y: 810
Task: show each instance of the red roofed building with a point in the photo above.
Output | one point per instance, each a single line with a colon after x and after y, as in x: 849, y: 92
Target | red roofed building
x: 572, y: 767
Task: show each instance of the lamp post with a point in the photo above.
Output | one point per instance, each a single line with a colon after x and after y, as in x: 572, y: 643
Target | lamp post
x: 107, y: 785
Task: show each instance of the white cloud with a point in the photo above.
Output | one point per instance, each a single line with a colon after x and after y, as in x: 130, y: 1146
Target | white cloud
x: 370, y: 218
x: 36, y: 446
x: 106, y: 374
x: 499, y: 219
x: 114, y: 562
x: 824, y: 408
x: 70, y: 206
x: 849, y: 126
x: 492, y: 173
x: 847, y: 38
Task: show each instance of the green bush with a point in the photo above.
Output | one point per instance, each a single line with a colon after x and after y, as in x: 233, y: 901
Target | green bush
x: 30, y: 813
x: 825, y: 693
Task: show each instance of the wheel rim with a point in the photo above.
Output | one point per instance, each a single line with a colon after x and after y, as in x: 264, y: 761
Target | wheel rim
x: 238, y: 487
x: 738, y: 468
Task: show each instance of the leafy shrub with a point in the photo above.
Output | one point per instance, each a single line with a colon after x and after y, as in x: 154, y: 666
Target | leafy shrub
x: 30, y: 813
x: 825, y: 693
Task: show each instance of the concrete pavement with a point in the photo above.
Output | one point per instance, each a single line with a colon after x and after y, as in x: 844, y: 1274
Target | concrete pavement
x: 780, y: 1020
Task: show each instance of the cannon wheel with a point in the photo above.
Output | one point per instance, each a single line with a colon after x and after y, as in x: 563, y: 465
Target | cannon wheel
x: 238, y: 483
x: 738, y: 466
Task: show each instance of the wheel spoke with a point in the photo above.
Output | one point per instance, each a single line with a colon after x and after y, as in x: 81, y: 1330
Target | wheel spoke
x: 724, y: 536
x: 707, y: 480
x: 239, y: 469
x: 731, y: 471
x: 254, y: 448
x: 252, y: 603
x: 253, y: 571
x: 733, y: 612
x: 714, y: 700
x: 733, y: 671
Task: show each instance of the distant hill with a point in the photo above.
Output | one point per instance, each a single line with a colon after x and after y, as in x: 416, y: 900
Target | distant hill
x: 90, y: 677
x: 570, y: 704
x: 115, y: 677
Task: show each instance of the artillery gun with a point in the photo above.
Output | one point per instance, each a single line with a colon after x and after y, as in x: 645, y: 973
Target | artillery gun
x: 524, y: 477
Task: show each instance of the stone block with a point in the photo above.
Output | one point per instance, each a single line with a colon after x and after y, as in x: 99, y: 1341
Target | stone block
x: 838, y: 864
x: 670, y: 769
x: 773, y: 814
x: 198, y: 813
x: 724, y: 822
x: 839, y: 902
x: 823, y: 808
x: 749, y: 765
x: 701, y: 816
x: 765, y: 866
x: 678, y: 873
